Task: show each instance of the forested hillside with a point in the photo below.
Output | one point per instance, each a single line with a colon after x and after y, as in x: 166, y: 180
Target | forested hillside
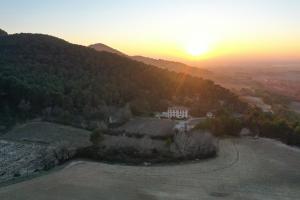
x: 42, y: 74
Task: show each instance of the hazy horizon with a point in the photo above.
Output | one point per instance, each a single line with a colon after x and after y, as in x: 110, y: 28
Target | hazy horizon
x: 196, y: 32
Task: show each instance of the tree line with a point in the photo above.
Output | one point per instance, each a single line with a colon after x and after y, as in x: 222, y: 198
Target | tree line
x: 270, y: 125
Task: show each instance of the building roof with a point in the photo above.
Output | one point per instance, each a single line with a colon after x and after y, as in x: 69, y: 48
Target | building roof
x: 177, y: 108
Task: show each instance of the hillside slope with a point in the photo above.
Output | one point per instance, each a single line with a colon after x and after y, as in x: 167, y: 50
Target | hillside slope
x: 102, y: 47
x: 41, y: 74
x: 173, y: 66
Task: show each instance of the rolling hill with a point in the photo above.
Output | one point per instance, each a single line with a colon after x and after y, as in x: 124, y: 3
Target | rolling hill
x: 44, y: 75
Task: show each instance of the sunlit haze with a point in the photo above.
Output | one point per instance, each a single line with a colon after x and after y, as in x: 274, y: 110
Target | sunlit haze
x: 192, y: 30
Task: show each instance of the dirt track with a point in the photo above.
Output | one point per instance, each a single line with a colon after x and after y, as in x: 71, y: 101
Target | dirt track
x: 246, y: 169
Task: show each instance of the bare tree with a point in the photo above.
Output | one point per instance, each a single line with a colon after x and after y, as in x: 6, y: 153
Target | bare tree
x: 182, y: 142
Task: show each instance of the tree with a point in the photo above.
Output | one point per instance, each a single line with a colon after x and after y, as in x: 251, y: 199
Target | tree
x: 24, y: 107
x: 297, y: 130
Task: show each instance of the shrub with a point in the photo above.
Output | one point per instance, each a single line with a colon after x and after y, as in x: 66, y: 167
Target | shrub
x: 297, y: 130
x: 17, y: 174
x: 96, y: 137
x: 194, y: 144
x: 168, y: 141
x: 145, y: 145
x: 221, y: 126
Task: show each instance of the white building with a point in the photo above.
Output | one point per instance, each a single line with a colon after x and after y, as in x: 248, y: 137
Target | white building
x: 178, y: 112
x: 210, y: 115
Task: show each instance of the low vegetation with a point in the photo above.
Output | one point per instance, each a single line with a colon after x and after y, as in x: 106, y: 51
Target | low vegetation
x: 270, y: 125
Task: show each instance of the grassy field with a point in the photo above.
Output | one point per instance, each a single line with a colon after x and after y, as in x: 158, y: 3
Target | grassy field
x: 149, y: 126
x: 246, y: 169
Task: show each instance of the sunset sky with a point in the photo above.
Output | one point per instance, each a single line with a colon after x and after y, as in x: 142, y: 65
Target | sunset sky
x: 190, y: 30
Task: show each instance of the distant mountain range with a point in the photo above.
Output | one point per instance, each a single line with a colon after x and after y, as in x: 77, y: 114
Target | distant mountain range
x: 164, y: 64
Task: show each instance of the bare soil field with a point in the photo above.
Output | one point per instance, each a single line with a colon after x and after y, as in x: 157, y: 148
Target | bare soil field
x: 245, y: 169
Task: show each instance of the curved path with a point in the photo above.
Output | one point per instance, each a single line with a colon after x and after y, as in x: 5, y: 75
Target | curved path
x: 245, y: 169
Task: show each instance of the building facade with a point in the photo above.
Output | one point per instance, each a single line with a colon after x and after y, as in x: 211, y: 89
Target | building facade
x: 178, y: 112
x: 210, y: 115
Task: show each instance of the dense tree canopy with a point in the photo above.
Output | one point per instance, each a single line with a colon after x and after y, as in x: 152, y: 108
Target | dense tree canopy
x: 2, y: 32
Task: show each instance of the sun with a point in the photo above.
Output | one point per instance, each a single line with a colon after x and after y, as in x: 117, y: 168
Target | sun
x: 197, y: 49
x: 198, y: 46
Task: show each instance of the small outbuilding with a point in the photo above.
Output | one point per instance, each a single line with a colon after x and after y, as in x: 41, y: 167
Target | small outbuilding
x: 210, y: 115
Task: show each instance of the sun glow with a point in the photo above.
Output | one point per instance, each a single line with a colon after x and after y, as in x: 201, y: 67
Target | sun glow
x: 196, y: 49
x: 198, y: 46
